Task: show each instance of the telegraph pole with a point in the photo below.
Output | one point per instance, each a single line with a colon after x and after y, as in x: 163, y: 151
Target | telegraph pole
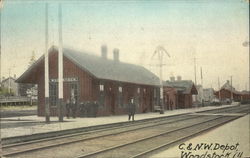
x: 9, y: 82
x: 195, y: 81
x: 60, y: 66
x: 231, y: 77
x: 246, y: 44
x: 202, y: 88
x: 1, y: 6
x: 46, y: 67
x: 219, y: 88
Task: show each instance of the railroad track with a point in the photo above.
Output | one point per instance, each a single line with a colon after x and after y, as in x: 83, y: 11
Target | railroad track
x: 53, y: 134
x: 144, y: 147
x: 43, y: 145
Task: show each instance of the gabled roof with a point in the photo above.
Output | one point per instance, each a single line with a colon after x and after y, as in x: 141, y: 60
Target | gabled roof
x: 184, y: 86
x: 227, y: 86
x: 245, y: 92
x: 107, y: 69
x: 6, y: 79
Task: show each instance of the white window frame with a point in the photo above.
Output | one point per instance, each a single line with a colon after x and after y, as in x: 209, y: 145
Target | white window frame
x: 138, y: 90
x: 120, y: 89
x: 101, y: 87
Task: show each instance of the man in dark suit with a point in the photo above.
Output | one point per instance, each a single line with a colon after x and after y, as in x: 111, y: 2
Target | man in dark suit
x: 131, y: 109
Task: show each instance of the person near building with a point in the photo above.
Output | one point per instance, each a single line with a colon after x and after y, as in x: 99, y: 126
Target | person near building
x: 73, y: 106
x: 67, y: 108
x: 131, y: 109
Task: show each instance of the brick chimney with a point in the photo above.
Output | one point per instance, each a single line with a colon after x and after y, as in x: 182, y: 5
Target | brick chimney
x: 178, y: 78
x: 172, y: 79
x: 116, y: 54
x: 104, y: 51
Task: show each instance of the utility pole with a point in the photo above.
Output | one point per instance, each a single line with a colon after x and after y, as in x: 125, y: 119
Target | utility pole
x: 46, y: 67
x: 246, y: 44
x: 231, y: 77
x: 202, y: 88
x: 60, y: 65
x: 160, y: 51
x: 219, y: 88
x: 1, y: 6
x: 9, y: 82
x: 195, y: 81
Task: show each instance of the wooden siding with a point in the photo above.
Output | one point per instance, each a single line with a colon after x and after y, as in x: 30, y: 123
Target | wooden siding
x: 89, y: 90
x: 179, y: 100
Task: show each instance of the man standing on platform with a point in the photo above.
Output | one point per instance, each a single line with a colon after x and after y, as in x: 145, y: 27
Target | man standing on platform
x: 131, y: 109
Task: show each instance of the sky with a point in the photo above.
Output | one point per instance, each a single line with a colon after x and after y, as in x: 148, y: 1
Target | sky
x: 212, y: 31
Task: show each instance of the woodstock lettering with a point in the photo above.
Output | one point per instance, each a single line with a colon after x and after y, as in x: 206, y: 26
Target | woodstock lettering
x: 210, y: 150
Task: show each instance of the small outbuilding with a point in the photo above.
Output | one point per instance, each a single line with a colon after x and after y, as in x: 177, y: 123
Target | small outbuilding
x: 178, y: 94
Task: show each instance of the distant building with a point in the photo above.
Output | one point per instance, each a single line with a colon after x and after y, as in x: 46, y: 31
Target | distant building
x: 10, y: 84
x: 23, y: 88
x: 89, y: 78
x: 199, y: 96
x: 228, y: 93
x: 178, y: 93
x: 245, y: 96
x: 208, y: 95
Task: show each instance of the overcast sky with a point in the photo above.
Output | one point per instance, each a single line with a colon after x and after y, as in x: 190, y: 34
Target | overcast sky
x: 210, y: 30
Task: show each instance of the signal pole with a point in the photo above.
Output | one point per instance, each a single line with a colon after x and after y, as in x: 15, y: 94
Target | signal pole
x: 46, y: 68
x: 60, y: 66
x: 160, y: 51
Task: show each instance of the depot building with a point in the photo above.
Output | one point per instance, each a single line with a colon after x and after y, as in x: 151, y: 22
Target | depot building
x: 110, y: 82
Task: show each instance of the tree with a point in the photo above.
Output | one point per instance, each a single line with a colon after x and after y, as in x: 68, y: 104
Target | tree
x: 32, y: 59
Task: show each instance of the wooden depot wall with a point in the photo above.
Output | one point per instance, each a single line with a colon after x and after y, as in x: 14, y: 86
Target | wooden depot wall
x: 115, y: 102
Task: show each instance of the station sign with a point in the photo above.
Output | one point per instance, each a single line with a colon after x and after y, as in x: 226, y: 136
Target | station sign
x: 68, y: 79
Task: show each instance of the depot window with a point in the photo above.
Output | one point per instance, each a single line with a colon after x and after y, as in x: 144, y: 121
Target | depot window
x: 120, y: 89
x: 138, y: 90
x: 101, y: 87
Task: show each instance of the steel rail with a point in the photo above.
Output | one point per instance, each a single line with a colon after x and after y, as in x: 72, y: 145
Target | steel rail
x: 79, y: 131
x: 182, y: 139
x: 85, y: 139
x: 141, y: 140
x: 157, y: 135
x: 95, y: 137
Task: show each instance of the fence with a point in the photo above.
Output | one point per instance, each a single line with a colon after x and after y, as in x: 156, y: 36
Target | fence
x: 14, y: 100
